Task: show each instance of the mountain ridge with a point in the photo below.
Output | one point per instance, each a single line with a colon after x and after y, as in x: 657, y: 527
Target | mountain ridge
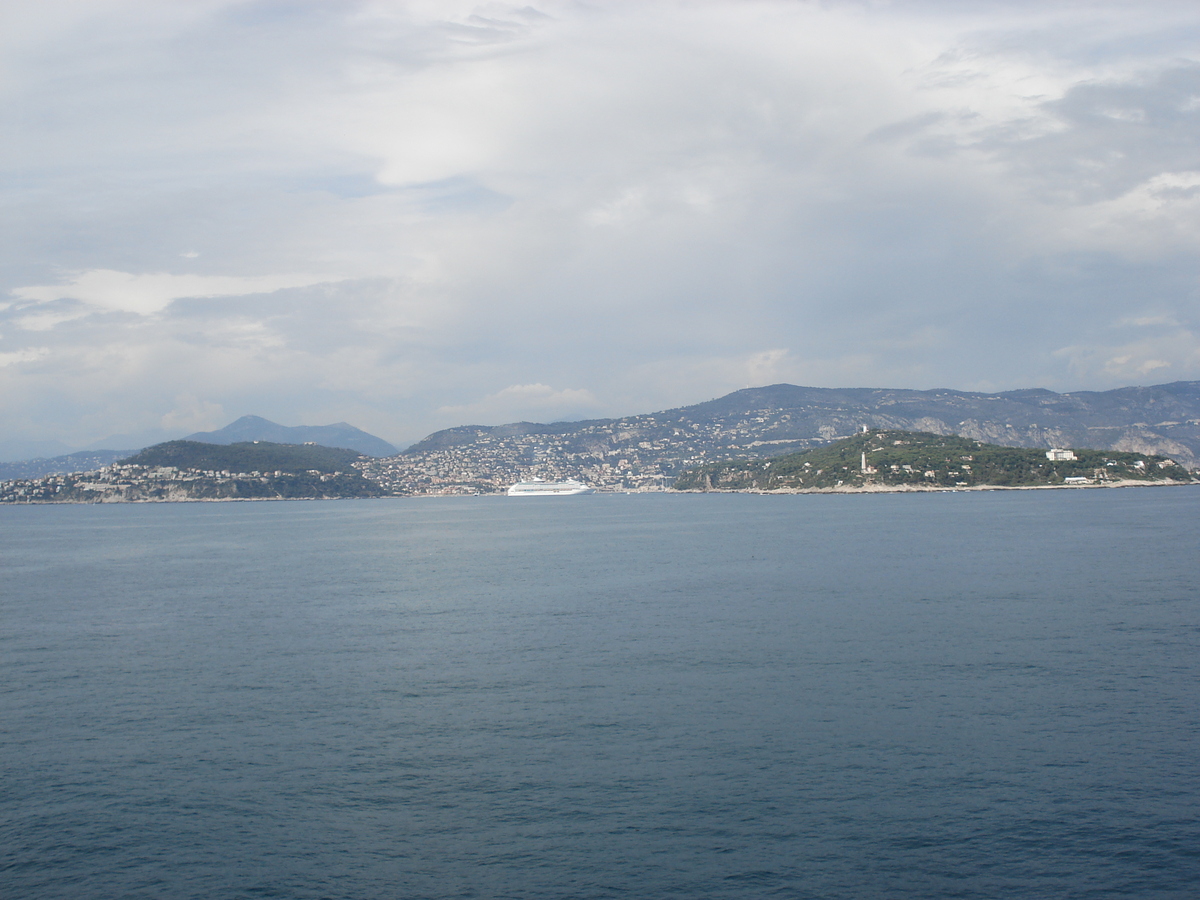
x: 647, y: 451
x: 1013, y: 415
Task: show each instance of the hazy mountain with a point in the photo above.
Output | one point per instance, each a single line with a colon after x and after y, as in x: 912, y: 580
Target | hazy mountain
x: 134, y: 439
x: 247, y: 428
x: 256, y: 428
x: 81, y: 461
x: 16, y: 449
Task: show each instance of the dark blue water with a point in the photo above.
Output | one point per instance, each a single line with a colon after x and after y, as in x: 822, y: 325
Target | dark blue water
x: 962, y: 695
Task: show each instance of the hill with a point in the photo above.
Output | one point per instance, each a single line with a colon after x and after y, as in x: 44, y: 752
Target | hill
x: 256, y: 428
x: 191, y: 470
x: 245, y: 429
x: 255, y: 456
x: 900, y: 459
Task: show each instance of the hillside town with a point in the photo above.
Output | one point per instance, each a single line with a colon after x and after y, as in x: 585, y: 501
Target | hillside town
x: 134, y: 483
x: 640, y: 453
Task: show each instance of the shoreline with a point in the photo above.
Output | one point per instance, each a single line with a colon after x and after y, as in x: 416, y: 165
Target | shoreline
x: 863, y: 489
x: 931, y: 489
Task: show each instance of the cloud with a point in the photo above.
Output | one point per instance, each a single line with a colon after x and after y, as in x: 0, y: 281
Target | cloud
x: 539, y: 401
x: 1144, y: 357
x: 150, y: 293
x: 191, y: 413
x: 398, y: 213
x: 26, y: 355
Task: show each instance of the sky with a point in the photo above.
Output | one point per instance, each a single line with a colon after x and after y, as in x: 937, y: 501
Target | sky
x: 415, y: 215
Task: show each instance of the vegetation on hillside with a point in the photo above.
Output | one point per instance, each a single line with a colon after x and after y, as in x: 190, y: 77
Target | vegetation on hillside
x: 191, y: 470
x: 249, y: 456
x: 905, y: 458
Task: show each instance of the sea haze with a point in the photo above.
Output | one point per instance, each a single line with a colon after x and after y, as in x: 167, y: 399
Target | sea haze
x: 983, y: 695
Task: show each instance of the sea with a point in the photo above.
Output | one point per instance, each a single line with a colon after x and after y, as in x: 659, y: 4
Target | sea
x: 939, y: 695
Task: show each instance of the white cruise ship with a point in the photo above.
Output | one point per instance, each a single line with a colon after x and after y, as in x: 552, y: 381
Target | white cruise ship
x: 539, y: 488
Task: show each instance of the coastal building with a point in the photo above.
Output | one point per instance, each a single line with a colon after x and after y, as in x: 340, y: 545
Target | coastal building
x: 1056, y: 455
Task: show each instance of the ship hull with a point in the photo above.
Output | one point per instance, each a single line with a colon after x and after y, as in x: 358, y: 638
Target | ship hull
x: 549, y: 489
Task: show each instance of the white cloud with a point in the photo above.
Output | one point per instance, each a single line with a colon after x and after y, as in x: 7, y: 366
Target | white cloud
x: 150, y: 293
x: 191, y: 413
x: 45, y: 321
x: 26, y: 355
x: 1168, y: 356
x: 538, y: 401
x: 400, y: 208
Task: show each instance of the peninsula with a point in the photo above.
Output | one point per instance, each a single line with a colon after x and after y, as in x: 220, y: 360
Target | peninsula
x: 907, y: 460
x: 192, y: 470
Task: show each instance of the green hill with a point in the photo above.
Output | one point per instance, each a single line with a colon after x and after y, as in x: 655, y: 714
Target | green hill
x: 249, y: 456
x: 918, y: 459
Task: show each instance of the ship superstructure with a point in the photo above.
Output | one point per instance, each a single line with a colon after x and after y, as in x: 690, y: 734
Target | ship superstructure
x: 539, y: 488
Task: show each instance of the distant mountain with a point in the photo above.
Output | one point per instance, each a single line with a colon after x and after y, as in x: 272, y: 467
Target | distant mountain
x: 256, y: 428
x: 82, y: 461
x: 144, y: 438
x: 1161, y: 419
x: 13, y: 450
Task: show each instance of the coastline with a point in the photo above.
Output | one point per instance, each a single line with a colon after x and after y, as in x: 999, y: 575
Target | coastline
x: 861, y: 489
x: 932, y: 489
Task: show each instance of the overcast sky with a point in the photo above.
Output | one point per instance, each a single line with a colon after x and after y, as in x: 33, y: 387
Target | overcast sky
x: 412, y: 215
